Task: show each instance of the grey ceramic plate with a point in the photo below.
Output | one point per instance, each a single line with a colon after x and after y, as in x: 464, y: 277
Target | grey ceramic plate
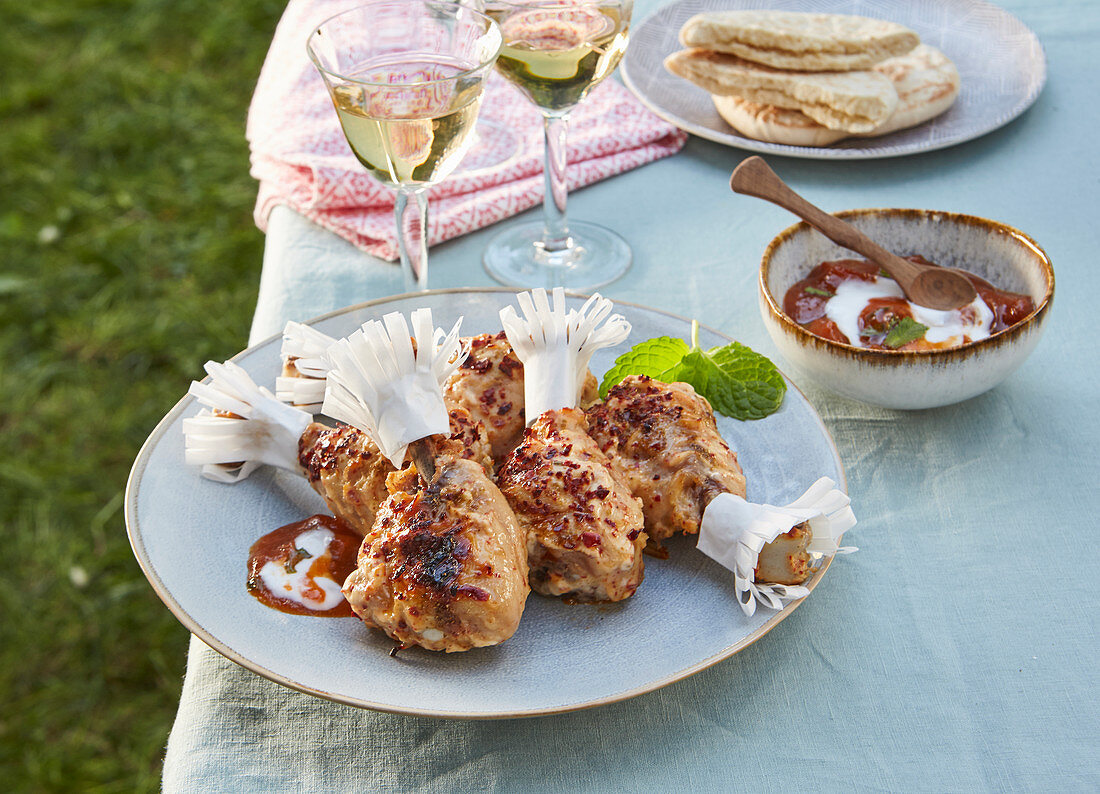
x: 1001, y: 66
x: 191, y: 537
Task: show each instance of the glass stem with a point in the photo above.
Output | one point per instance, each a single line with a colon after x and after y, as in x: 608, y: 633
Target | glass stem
x: 412, y: 237
x: 555, y: 236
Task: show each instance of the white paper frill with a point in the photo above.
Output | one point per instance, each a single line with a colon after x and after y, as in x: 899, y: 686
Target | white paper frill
x: 306, y: 346
x: 261, y: 430
x: 556, y: 345
x: 733, y: 532
x: 379, y: 384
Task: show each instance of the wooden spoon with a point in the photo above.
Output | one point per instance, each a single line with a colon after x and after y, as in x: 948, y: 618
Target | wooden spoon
x: 928, y: 285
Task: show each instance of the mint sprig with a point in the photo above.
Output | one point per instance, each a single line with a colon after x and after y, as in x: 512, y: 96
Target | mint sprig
x: 657, y: 358
x: 904, y: 331
x: 734, y: 379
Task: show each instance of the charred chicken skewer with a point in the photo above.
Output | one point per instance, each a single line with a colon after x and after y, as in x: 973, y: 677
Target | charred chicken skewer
x: 445, y: 565
x: 584, y: 528
x: 662, y: 438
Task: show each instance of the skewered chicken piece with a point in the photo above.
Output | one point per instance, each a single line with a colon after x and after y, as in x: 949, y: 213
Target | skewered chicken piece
x: 445, y: 566
x: 664, y: 441
x: 489, y: 384
x: 584, y: 529
x: 349, y: 471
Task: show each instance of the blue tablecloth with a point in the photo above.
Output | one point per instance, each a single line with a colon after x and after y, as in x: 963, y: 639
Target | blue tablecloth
x: 956, y: 651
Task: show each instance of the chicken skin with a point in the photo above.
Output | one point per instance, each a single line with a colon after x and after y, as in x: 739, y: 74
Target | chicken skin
x: 444, y: 567
x: 489, y: 384
x: 663, y: 441
x: 349, y: 471
x: 584, y: 529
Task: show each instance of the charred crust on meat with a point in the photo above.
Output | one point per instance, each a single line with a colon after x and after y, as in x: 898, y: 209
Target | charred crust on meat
x: 320, y: 449
x: 478, y: 365
x: 426, y: 546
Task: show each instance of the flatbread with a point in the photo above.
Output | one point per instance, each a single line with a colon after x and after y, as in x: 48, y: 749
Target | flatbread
x: 856, y: 101
x: 925, y: 79
x: 799, y: 41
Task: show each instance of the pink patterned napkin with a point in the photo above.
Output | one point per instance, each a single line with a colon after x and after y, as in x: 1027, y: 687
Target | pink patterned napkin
x: 301, y: 158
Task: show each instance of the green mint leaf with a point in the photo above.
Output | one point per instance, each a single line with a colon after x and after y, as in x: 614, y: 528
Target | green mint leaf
x: 903, y: 332
x: 822, y: 292
x: 300, y: 554
x: 735, y: 380
x: 754, y: 388
x: 656, y: 358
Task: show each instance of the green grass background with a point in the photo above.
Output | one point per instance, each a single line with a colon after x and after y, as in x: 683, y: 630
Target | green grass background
x: 129, y: 257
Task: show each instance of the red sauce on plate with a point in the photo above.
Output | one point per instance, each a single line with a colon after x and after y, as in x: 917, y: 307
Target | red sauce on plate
x: 805, y: 303
x: 281, y: 548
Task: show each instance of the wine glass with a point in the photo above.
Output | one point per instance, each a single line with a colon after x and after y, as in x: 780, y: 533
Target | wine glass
x: 556, y: 51
x: 406, y: 77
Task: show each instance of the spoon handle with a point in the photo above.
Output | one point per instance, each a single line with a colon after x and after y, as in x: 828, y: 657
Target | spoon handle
x: 753, y: 177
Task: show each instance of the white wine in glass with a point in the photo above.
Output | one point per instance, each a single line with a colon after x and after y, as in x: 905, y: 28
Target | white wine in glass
x: 555, y: 52
x: 406, y: 78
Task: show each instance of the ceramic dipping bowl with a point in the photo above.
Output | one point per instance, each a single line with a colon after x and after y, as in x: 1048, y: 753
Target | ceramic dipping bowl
x: 911, y: 379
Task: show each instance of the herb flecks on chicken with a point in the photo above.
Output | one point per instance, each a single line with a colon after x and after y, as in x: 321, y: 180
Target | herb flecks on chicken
x: 585, y: 532
x: 489, y: 384
x: 349, y: 472
x: 663, y: 441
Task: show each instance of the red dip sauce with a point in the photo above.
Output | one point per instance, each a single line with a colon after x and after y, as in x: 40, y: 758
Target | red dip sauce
x: 300, y: 568
x: 888, y: 323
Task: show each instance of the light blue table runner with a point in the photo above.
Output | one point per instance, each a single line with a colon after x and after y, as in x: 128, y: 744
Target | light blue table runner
x: 956, y: 651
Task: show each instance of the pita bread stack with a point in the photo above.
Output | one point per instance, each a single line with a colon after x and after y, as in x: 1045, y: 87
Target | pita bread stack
x: 813, y: 79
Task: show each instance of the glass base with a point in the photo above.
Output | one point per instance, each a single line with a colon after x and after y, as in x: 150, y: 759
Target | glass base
x: 596, y: 256
x: 494, y: 144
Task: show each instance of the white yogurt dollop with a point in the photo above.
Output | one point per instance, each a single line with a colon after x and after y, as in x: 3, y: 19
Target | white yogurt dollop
x: 944, y: 327
x: 295, y: 586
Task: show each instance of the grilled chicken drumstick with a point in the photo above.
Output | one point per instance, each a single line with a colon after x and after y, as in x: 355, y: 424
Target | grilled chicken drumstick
x: 445, y: 565
x: 584, y: 528
x: 663, y: 440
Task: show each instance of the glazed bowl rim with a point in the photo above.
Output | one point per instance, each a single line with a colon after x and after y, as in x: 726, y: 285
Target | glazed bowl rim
x: 776, y: 310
